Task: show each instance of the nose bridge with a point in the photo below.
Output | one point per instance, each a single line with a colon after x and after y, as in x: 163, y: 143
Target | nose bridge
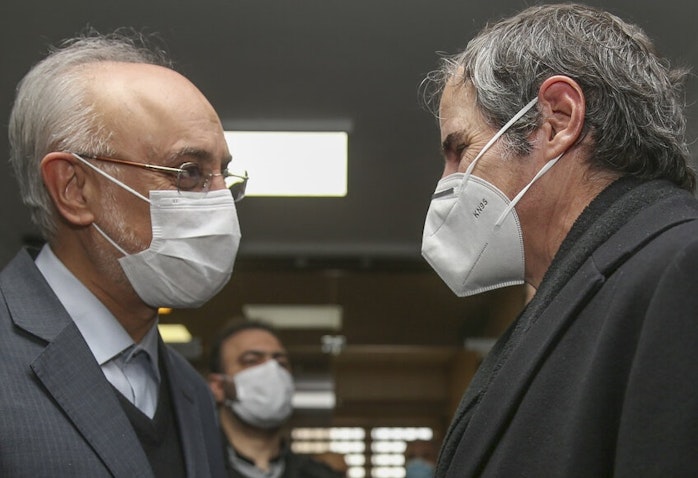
x: 269, y: 356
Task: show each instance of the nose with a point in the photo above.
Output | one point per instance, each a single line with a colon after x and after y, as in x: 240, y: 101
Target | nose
x: 450, y: 167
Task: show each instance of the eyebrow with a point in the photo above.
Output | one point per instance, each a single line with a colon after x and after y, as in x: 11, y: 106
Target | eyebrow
x: 262, y: 353
x: 198, y: 153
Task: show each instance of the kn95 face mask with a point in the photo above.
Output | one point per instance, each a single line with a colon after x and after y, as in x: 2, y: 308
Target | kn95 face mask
x: 472, y: 236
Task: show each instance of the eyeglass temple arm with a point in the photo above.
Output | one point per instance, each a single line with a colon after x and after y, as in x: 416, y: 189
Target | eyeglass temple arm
x: 134, y: 163
x: 244, y: 175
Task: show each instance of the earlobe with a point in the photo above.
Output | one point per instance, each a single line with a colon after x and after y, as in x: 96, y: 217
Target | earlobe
x: 562, y: 105
x: 66, y: 182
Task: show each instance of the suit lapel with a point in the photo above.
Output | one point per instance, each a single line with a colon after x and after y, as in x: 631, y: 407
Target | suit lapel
x: 69, y: 371
x: 188, y: 420
x: 73, y: 378
x: 505, y: 392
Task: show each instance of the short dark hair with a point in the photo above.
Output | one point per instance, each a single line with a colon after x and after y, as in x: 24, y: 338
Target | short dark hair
x: 215, y: 359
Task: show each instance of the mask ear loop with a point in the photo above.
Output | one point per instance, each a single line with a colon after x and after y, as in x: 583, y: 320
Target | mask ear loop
x: 114, y: 180
x: 118, y: 183
x: 494, y: 138
x: 518, y: 197
x: 109, y: 239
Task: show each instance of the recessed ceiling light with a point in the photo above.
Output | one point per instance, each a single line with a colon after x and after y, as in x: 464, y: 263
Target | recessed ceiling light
x: 174, y: 333
x: 291, y: 163
x: 296, y: 316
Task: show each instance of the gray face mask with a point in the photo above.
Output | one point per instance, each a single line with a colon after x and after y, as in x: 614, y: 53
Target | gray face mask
x: 472, y: 236
x: 195, y: 238
x: 264, y: 395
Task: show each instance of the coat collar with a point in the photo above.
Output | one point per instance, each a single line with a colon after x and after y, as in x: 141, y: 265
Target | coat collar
x: 21, y: 277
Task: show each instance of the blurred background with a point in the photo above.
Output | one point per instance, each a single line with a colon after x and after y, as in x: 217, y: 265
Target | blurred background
x: 381, y: 349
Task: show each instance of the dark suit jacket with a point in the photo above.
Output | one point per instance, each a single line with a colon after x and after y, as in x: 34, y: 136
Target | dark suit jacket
x: 604, y: 382
x: 59, y: 416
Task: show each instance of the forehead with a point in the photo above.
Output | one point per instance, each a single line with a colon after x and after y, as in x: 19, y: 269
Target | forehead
x: 249, y: 340
x: 153, y: 110
x: 457, y: 108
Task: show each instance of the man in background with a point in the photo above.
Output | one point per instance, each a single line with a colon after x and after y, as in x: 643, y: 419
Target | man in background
x: 123, y: 165
x: 566, y: 167
x: 252, y: 384
x: 420, y: 459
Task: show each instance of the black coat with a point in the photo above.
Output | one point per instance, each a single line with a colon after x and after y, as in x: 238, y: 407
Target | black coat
x: 599, y: 375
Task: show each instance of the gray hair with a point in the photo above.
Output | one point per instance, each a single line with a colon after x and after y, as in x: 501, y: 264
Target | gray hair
x: 634, y: 99
x: 53, y: 111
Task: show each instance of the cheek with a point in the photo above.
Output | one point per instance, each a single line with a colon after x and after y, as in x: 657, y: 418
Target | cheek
x: 465, y: 162
x: 511, y: 178
x: 162, y: 182
x: 229, y: 389
x: 129, y: 217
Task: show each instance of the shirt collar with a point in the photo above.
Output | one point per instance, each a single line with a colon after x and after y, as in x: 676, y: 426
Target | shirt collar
x: 149, y: 345
x: 247, y: 467
x: 104, y: 335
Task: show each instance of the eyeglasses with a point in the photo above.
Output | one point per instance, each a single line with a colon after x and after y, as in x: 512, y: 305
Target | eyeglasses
x: 189, y: 176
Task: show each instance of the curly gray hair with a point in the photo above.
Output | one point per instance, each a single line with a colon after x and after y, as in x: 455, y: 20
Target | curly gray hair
x: 634, y: 99
x: 52, y: 111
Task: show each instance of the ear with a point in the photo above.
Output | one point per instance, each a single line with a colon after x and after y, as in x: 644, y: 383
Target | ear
x: 66, y: 183
x: 562, y: 105
x: 216, y: 383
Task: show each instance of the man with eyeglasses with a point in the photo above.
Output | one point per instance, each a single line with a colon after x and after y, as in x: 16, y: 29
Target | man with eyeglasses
x: 124, y: 167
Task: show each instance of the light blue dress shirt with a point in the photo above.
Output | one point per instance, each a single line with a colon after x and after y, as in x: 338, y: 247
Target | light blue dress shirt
x: 108, y: 341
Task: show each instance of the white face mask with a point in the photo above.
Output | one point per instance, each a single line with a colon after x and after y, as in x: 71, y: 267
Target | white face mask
x: 264, y: 395
x: 195, y: 238
x: 472, y: 236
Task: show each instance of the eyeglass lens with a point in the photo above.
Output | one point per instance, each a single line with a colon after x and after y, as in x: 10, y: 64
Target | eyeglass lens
x: 236, y: 186
x: 190, y: 177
